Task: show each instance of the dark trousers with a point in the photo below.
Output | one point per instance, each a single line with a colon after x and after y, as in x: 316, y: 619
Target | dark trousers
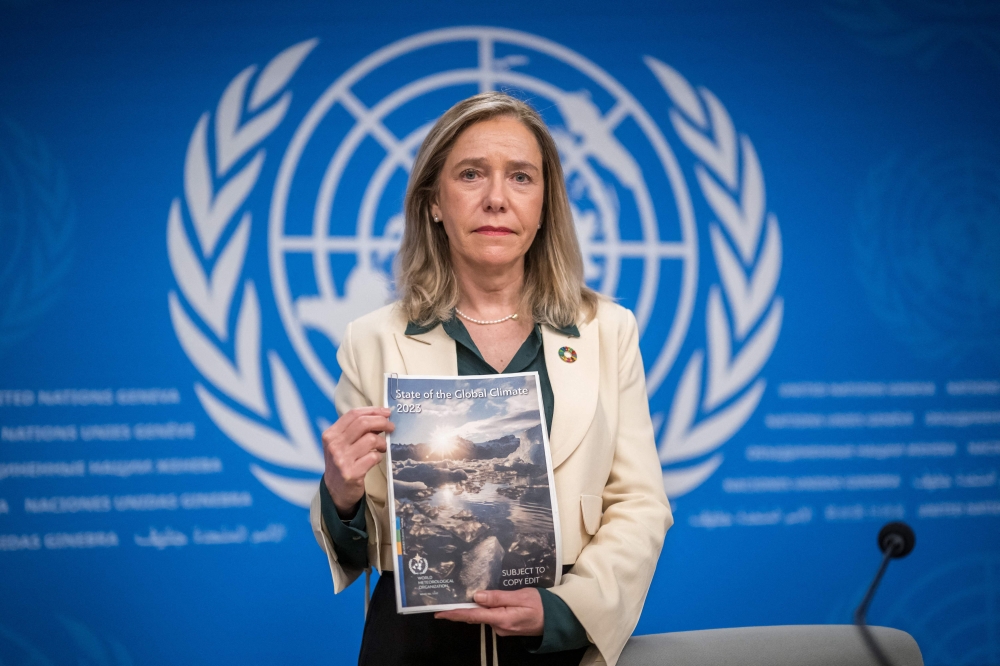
x: 414, y: 640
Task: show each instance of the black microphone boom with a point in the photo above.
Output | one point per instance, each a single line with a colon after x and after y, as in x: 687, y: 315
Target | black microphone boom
x: 895, y: 540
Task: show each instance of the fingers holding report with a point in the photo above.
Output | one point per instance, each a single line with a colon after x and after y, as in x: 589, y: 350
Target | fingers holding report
x: 351, y: 447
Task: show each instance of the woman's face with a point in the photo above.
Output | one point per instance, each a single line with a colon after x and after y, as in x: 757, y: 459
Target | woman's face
x: 490, y: 194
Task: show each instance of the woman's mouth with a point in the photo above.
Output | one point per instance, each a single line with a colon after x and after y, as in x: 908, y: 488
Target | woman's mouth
x: 493, y: 231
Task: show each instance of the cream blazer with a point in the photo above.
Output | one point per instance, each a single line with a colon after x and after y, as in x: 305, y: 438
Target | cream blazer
x: 612, y: 508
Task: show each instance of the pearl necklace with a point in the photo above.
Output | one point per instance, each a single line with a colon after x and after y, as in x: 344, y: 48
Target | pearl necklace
x: 482, y: 322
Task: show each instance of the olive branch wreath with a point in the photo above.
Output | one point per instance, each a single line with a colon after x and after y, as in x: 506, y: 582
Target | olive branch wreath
x: 39, y: 216
x: 746, y: 245
x: 737, y: 202
x: 210, y: 293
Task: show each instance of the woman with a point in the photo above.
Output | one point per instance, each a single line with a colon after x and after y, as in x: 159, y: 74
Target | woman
x: 490, y: 279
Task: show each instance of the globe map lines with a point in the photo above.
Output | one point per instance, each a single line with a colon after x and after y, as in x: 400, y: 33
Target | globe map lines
x: 589, y: 139
x: 400, y: 154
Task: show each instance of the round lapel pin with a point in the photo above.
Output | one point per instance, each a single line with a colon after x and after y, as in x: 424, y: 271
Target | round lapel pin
x: 567, y: 354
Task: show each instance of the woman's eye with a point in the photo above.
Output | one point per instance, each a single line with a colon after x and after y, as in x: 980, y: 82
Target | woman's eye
x: 469, y: 174
x: 521, y: 177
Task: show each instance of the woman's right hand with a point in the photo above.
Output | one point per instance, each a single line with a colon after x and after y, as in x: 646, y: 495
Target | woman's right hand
x: 351, y: 447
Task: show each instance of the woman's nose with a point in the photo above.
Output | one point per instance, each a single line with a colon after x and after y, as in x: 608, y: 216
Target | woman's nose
x: 496, y: 196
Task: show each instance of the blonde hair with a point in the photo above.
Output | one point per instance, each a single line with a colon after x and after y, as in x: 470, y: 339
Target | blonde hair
x: 554, y: 289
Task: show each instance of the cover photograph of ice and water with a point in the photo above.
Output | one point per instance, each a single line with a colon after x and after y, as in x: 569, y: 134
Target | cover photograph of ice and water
x: 471, y: 480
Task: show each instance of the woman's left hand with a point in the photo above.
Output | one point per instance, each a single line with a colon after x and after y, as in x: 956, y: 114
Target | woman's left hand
x: 517, y: 613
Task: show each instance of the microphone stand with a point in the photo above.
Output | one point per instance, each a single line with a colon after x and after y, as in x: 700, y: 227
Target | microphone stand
x: 895, y: 540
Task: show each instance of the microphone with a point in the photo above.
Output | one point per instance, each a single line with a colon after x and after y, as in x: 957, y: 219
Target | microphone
x: 895, y: 540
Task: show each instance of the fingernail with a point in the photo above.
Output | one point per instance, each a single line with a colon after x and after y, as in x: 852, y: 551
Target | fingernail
x: 479, y: 597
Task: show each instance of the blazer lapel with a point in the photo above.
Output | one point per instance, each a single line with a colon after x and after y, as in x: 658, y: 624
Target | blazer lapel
x: 430, y: 353
x: 574, y: 386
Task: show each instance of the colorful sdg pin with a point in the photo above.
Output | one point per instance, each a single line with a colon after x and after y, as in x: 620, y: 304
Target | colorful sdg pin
x: 567, y: 354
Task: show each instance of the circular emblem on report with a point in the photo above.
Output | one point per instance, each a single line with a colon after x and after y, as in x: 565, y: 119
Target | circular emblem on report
x: 667, y: 197
x: 418, y: 565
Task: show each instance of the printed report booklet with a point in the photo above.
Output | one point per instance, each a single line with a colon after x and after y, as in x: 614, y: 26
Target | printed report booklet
x: 471, y: 494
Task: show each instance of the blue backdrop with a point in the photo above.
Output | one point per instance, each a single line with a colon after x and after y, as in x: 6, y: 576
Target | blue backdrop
x: 801, y: 203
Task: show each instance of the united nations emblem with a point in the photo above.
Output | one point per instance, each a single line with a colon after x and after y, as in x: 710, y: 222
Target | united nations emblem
x: 36, y: 232
x: 335, y: 223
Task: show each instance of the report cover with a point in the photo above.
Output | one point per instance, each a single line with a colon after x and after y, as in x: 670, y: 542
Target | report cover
x: 471, y: 494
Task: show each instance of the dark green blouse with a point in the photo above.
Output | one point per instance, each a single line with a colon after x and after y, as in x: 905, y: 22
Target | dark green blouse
x: 562, y: 630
